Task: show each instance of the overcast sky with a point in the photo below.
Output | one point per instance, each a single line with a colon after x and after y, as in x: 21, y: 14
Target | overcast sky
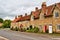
x: 11, y: 8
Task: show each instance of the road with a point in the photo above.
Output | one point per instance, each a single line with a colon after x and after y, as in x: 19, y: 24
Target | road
x: 14, y: 35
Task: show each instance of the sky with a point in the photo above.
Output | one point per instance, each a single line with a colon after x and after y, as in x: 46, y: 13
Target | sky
x: 11, y: 8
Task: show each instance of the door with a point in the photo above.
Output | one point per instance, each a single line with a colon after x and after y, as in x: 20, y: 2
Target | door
x: 50, y: 29
x: 45, y: 28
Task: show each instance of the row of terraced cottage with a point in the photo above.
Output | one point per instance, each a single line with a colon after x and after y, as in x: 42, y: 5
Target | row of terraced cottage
x: 41, y: 18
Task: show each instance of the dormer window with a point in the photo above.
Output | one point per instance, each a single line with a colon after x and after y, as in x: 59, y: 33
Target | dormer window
x: 32, y: 17
x: 56, y: 14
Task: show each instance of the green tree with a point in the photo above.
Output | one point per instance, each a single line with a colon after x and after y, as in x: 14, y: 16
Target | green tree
x: 1, y: 20
x: 6, y: 23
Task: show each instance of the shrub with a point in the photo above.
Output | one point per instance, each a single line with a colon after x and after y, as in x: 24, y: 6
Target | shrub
x: 27, y: 28
x: 30, y: 27
x: 21, y: 29
x: 11, y: 28
x: 24, y: 29
x: 16, y: 29
x: 6, y: 24
x: 36, y: 29
x: 47, y: 31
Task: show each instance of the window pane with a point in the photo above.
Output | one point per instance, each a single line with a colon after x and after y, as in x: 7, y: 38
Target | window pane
x: 56, y: 14
x: 58, y: 27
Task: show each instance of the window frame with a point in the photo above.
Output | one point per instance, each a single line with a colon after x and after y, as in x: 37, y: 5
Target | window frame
x: 56, y: 15
x: 58, y: 27
x: 32, y: 17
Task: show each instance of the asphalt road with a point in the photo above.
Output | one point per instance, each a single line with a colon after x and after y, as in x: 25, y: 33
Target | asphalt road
x: 14, y: 35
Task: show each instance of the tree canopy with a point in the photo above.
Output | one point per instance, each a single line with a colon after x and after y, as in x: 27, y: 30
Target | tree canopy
x: 1, y: 20
x: 7, y: 23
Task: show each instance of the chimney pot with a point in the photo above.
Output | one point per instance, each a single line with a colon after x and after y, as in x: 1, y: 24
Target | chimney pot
x: 15, y: 17
x: 44, y: 4
x: 25, y: 14
x: 36, y: 8
x: 19, y: 15
x: 32, y: 12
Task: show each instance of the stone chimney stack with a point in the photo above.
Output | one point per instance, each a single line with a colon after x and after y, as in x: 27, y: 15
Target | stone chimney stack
x: 36, y: 8
x: 32, y: 12
x: 15, y: 17
x: 25, y: 14
x: 19, y: 15
x: 44, y: 7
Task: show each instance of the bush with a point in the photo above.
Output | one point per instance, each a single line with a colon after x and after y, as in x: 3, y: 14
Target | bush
x: 6, y: 24
x: 16, y: 29
x: 30, y: 27
x: 11, y: 28
x: 47, y: 31
x: 24, y: 29
x: 27, y: 28
x: 36, y: 29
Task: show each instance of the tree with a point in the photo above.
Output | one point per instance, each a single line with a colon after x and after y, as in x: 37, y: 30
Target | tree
x: 1, y: 20
x: 7, y: 23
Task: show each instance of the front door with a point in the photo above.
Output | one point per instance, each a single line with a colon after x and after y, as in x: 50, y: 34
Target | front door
x: 45, y: 28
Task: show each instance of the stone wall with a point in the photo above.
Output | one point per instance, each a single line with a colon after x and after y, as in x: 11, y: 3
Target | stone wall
x: 38, y: 22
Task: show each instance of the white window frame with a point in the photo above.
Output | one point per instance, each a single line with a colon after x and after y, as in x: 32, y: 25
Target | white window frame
x: 32, y: 17
x: 55, y: 15
x: 58, y: 27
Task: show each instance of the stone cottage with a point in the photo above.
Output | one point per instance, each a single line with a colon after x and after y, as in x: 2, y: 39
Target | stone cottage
x: 41, y: 18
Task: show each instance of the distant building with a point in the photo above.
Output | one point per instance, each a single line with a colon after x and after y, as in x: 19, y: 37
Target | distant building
x: 41, y: 18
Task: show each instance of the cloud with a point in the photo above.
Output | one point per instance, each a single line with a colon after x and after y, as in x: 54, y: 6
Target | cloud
x: 11, y: 8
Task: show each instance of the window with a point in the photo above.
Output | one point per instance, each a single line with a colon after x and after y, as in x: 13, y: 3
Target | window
x: 58, y: 27
x: 56, y: 14
x: 32, y: 17
x: 40, y: 27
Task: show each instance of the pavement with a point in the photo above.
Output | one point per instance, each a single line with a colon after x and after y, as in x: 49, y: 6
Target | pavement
x: 16, y: 35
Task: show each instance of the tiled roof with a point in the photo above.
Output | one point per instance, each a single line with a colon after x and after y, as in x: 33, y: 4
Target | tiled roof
x: 36, y: 13
x: 25, y: 18
x: 58, y: 4
x: 47, y: 11
x: 22, y: 18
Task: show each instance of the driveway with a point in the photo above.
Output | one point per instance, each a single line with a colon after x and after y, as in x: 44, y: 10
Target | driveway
x: 15, y: 35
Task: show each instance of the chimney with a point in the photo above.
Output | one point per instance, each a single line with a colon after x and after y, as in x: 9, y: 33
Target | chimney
x: 15, y: 17
x: 32, y: 12
x: 19, y: 15
x: 25, y: 14
x: 44, y: 5
x: 36, y: 8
